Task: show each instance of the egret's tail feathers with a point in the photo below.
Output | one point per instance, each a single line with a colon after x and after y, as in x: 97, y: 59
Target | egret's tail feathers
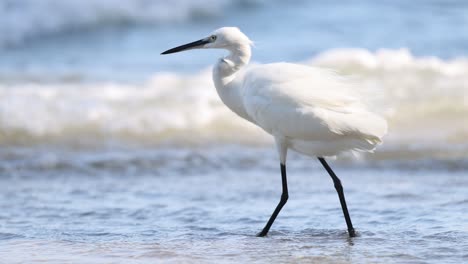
x: 335, y: 147
x: 362, y: 145
x: 370, y: 142
x: 372, y: 129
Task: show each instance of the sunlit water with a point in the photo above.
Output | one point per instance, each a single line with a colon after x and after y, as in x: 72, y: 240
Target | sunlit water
x: 206, y: 205
x: 111, y: 153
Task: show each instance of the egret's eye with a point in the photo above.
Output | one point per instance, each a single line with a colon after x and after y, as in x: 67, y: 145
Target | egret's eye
x: 213, y: 38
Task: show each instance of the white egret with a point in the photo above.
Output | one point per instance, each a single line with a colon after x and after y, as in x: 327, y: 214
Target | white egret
x: 306, y: 109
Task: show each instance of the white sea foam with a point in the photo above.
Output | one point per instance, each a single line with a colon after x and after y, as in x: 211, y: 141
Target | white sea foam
x: 168, y: 107
x: 424, y: 99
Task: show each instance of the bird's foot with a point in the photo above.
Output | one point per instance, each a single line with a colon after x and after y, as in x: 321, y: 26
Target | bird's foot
x: 351, y: 233
x: 262, y: 233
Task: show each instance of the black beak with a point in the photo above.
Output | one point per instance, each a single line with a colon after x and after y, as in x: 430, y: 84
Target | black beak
x: 188, y: 46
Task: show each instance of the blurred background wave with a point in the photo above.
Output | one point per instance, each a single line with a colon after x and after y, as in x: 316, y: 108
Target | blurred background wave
x: 88, y: 72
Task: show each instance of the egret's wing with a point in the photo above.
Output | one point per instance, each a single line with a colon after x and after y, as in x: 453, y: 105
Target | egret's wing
x: 306, y: 103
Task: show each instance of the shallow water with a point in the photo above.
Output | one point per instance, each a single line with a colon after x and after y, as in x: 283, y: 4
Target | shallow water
x: 114, y: 208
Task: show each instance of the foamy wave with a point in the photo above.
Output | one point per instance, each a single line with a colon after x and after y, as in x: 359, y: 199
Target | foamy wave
x: 24, y: 19
x: 167, y: 108
x: 424, y: 99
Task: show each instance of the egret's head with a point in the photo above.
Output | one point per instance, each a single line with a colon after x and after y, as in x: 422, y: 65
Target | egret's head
x: 222, y: 38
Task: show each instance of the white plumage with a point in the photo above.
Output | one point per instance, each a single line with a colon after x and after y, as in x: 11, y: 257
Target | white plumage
x: 310, y: 110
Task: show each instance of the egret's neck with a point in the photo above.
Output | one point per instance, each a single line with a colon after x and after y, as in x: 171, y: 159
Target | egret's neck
x: 227, y: 82
x: 224, y: 71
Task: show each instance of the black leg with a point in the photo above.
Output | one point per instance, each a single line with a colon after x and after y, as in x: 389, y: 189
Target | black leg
x: 284, y: 199
x: 339, y: 189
